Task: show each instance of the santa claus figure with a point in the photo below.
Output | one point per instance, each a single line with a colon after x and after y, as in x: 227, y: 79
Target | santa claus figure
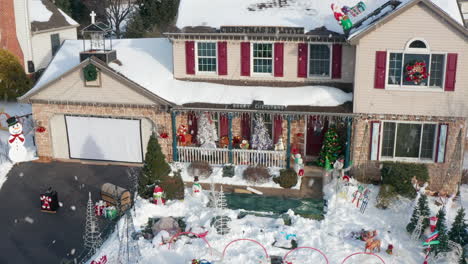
x: 196, y: 187
x: 16, y: 140
x: 342, y: 19
x: 158, y: 194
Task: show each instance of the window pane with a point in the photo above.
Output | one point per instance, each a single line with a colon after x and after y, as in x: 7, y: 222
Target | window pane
x: 428, y: 138
x: 388, y: 140
x: 437, y: 70
x: 206, y: 52
x: 408, y: 139
x: 319, y: 60
x: 262, y: 58
x: 417, y: 44
x: 394, y: 68
x: 409, y: 61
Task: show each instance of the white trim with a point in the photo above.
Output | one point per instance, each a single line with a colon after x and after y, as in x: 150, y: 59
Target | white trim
x: 414, y: 88
x: 424, y: 50
x: 407, y: 159
x: 317, y: 77
x: 262, y: 74
x: 211, y: 73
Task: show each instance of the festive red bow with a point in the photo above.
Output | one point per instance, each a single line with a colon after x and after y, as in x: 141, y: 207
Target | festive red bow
x: 20, y: 136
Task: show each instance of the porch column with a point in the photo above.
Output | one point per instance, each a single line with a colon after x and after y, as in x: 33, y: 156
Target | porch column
x: 288, y: 144
x: 230, y: 137
x: 174, y: 137
x: 349, y: 123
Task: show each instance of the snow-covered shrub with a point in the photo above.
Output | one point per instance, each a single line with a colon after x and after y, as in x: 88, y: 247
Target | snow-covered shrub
x: 173, y: 186
x: 399, y: 175
x: 386, y: 195
x: 287, y: 178
x: 200, y: 168
x: 229, y: 171
x: 256, y: 174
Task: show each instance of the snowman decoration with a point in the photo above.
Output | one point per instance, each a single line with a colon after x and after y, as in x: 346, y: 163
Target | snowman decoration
x: 196, y: 187
x: 16, y: 140
x: 158, y: 195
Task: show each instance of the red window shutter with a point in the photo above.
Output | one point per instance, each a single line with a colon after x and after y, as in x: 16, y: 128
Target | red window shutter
x: 380, y: 69
x: 374, y: 145
x: 245, y: 59
x: 245, y: 126
x: 278, y: 128
x: 451, y: 72
x: 337, y: 52
x: 302, y: 60
x: 192, y: 126
x: 190, y: 57
x: 279, y: 51
x: 222, y: 58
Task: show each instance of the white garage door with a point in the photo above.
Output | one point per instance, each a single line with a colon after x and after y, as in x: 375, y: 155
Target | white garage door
x: 111, y: 139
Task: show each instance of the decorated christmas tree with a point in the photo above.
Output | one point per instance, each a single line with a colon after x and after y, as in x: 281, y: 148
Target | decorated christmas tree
x: 459, y: 231
x: 261, y: 138
x: 331, y: 148
x: 414, y: 220
x: 92, y: 237
x: 154, y: 168
x: 441, y: 226
x: 206, y: 134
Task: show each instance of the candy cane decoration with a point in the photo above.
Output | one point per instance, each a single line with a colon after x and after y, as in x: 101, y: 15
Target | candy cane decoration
x: 46, y: 200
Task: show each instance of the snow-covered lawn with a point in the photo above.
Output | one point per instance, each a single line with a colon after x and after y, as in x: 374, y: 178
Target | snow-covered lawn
x: 217, y: 177
x: 13, y: 109
x: 331, y: 236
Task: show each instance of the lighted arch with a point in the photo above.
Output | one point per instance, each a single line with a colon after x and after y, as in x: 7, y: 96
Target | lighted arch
x: 246, y: 239
x: 314, y: 249
x: 363, y: 253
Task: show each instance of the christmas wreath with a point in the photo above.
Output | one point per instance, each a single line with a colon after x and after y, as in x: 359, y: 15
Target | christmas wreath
x: 90, y: 73
x: 416, y: 72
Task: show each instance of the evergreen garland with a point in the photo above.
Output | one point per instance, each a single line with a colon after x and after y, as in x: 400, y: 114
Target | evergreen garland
x: 331, y: 148
x: 441, y: 226
x: 459, y: 231
x: 90, y: 73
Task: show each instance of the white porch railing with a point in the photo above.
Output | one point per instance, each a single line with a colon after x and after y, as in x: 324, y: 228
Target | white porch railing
x: 219, y: 156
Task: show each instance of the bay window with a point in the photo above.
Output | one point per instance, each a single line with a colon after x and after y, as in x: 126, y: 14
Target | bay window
x: 408, y: 141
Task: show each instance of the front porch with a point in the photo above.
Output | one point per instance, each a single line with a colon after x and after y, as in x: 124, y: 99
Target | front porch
x: 288, y: 132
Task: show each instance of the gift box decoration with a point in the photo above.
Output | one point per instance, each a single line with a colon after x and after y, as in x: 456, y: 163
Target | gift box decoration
x: 110, y: 212
x: 99, y: 208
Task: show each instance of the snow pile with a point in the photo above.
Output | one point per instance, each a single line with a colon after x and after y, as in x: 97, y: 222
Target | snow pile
x: 38, y: 11
x: 291, y: 13
x: 332, y: 236
x: 217, y: 177
x: 148, y: 62
x: 18, y: 110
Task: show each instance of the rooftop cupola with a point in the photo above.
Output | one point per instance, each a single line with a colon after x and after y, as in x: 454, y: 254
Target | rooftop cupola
x: 97, y: 41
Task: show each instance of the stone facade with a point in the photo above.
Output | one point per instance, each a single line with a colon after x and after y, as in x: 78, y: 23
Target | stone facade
x: 444, y: 177
x: 43, y: 113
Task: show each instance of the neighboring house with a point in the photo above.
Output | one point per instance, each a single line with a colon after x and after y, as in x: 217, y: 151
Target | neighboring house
x: 35, y: 31
x: 289, y: 63
x: 464, y: 10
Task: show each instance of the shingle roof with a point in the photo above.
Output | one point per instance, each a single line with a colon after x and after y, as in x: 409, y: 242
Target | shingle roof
x: 57, y: 19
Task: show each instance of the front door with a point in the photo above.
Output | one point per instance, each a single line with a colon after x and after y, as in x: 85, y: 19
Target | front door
x: 316, y: 129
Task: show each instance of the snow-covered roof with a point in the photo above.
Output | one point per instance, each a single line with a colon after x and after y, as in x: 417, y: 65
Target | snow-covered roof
x: 148, y: 62
x: 44, y: 15
x: 309, y: 14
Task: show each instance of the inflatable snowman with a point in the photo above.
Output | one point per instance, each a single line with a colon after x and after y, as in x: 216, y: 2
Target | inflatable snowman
x: 16, y: 140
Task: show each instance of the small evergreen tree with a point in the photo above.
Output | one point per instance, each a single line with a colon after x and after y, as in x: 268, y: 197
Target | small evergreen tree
x: 261, y: 138
x: 158, y: 13
x: 173, y: 186
x: 441, y: 226
x: 135, y: 27
x: 462, y: 257
x: 154, y: 168
x: 14, y: 81
x: 414, y: 220
x: 424, y: 211
x: 458, y: 233
x: 331, y: 148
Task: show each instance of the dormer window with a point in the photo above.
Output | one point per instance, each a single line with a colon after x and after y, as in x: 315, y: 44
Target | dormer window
x: 415, y: 66
x: 262, y: 57
x: 206, y: 57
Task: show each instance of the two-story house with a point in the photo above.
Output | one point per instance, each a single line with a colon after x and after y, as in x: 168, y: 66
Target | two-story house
x: 289, y: 64
x: 33, y: 31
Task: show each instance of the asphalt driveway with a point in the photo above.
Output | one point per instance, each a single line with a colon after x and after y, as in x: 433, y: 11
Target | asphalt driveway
x: 28, y: 235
